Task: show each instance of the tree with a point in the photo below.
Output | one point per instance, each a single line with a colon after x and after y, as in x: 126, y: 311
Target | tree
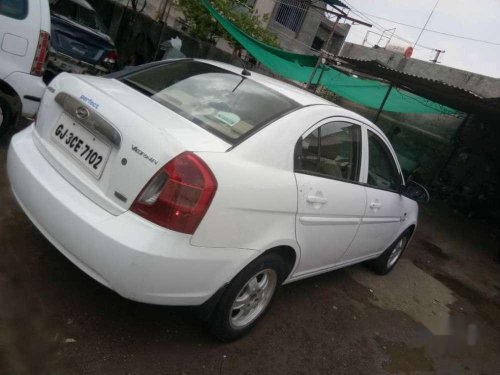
x: 202, y: 26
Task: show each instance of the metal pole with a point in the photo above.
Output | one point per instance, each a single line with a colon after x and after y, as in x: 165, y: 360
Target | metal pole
x: 320, y: 57
x: 319, y: 78
x: 357, y: 21
x: 436, y: 58
x: 164, y: 23
x: 426, y: 22
x: 457, y: 140
x: 330, y: 37
x: 383, y: 103
x: 366, y: 38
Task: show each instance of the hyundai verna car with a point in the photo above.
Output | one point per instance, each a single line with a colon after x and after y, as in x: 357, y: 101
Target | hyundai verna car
x: 190, y: 182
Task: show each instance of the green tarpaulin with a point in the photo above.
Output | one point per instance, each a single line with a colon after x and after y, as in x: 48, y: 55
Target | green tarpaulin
x: 298, y: 67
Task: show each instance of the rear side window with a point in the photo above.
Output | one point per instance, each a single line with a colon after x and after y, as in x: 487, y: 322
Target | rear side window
x: 382, y: 170
x: 332, y: 150
x: 226, y: 104
x: 17, y: 9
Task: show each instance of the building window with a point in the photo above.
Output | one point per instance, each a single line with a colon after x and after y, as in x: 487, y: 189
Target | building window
x: 317, y: 43
x: 291, y: 13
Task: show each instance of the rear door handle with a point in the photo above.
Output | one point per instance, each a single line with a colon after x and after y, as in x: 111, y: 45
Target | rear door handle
x: 316, y: 199
x: 375, y: 205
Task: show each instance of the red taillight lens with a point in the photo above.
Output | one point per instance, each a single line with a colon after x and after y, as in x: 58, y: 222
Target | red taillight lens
x: 41, y: 55
x: 111, y: 58
x: 179, y: 195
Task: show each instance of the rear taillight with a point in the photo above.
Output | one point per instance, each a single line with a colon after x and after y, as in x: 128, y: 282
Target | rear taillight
x: 110, y: 58
x: 179, y: 195
x: 41, y: 55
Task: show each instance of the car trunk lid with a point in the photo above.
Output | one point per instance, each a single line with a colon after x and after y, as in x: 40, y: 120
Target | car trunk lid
x: 130, y: 137
x: 78, y: 41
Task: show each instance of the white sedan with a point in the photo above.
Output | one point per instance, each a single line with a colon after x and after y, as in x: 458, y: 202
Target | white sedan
x: 192, y: 182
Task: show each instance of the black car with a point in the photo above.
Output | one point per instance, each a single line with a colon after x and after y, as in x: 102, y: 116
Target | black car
x: 79, y: 40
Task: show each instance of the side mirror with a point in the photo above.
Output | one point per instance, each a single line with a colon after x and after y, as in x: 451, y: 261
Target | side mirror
x: 415, y: 191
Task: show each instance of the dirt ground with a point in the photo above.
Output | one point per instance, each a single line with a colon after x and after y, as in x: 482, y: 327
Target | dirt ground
x: 437, y: 312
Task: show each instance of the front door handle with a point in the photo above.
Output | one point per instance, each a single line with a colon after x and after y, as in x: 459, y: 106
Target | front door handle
x: 316, y: 199
x: 375, y: 205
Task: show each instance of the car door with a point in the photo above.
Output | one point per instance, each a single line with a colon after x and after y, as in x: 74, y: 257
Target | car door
x: 331, y: 201
x: 381, y: 223
x: 19, y: 29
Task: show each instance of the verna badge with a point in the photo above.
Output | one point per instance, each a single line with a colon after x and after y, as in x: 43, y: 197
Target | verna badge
x: 82, y: 113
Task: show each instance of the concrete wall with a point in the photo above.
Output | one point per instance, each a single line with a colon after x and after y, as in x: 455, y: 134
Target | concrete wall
x: 264, y: 7
x: 314, y: 22
x: 485, y: 86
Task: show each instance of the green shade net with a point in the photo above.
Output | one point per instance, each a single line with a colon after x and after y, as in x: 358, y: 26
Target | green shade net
x: 298, y: 67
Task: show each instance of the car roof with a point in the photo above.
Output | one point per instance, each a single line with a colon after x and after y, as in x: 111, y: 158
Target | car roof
x: 300, y: 96
x: 297, y: 94
x: 82, y: 3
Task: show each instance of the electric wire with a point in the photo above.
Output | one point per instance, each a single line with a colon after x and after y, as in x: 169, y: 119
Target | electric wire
x: 436, y: 31
x: 381, y: 28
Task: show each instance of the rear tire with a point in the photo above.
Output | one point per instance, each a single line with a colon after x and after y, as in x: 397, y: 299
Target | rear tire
x: 247, y: 297
x: 6, y: 118
x: 388, y: 259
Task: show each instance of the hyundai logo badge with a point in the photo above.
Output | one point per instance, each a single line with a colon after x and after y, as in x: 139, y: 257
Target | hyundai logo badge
x: 82, y: 113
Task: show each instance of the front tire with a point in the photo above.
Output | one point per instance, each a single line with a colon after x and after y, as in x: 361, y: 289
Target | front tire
x: 247, y: 297
x: 6, y: 118
x: 388, y: 259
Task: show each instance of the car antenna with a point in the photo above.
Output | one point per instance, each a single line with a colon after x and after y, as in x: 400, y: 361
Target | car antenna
x: 244, y: 72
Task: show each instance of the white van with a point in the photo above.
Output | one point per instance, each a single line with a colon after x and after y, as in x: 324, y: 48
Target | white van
x: 24, y: 42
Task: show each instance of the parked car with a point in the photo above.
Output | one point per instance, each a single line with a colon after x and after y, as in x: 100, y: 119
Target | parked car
x: 80, y: 43
x: 190, y: 182
x: 24, y: 38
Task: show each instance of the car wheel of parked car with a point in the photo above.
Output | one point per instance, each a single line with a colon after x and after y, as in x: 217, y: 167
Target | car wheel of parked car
x: 388, y: 259
x: 247, y: 297
x: 5, y: 116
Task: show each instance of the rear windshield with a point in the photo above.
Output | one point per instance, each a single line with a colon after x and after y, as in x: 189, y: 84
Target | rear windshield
x: 78, y: 13
x: 226, y: 104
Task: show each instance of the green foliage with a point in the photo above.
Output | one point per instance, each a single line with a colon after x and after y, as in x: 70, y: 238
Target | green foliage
x: 202, y: 26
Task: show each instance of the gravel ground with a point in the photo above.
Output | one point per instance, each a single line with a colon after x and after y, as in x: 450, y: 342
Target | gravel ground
x: 437, y: 312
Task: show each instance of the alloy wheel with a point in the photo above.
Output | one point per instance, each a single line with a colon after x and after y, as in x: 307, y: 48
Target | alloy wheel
x: 253, y: 298
x: 396, y: 252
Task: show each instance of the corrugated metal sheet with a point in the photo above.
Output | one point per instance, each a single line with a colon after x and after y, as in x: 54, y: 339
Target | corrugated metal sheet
x: 438, y: 91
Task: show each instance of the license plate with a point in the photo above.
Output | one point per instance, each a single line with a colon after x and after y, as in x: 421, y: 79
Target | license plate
x: 89, y: 150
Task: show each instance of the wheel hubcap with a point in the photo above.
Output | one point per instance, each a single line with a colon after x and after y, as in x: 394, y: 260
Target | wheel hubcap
x: 253, y: 298
x: 396, y: 252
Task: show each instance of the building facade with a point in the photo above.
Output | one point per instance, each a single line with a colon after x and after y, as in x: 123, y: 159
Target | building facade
x: 302, y: 25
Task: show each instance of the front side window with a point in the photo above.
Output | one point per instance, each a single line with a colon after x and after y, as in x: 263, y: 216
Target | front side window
x: 226, y: 104
x: 332, y: 150
x: 382, y: 170
x: 17, y: 9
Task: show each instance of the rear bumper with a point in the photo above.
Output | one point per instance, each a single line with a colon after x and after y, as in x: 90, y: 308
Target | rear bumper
x: 135, y: 258
x: 60, y: 62
x: 30, y: 89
